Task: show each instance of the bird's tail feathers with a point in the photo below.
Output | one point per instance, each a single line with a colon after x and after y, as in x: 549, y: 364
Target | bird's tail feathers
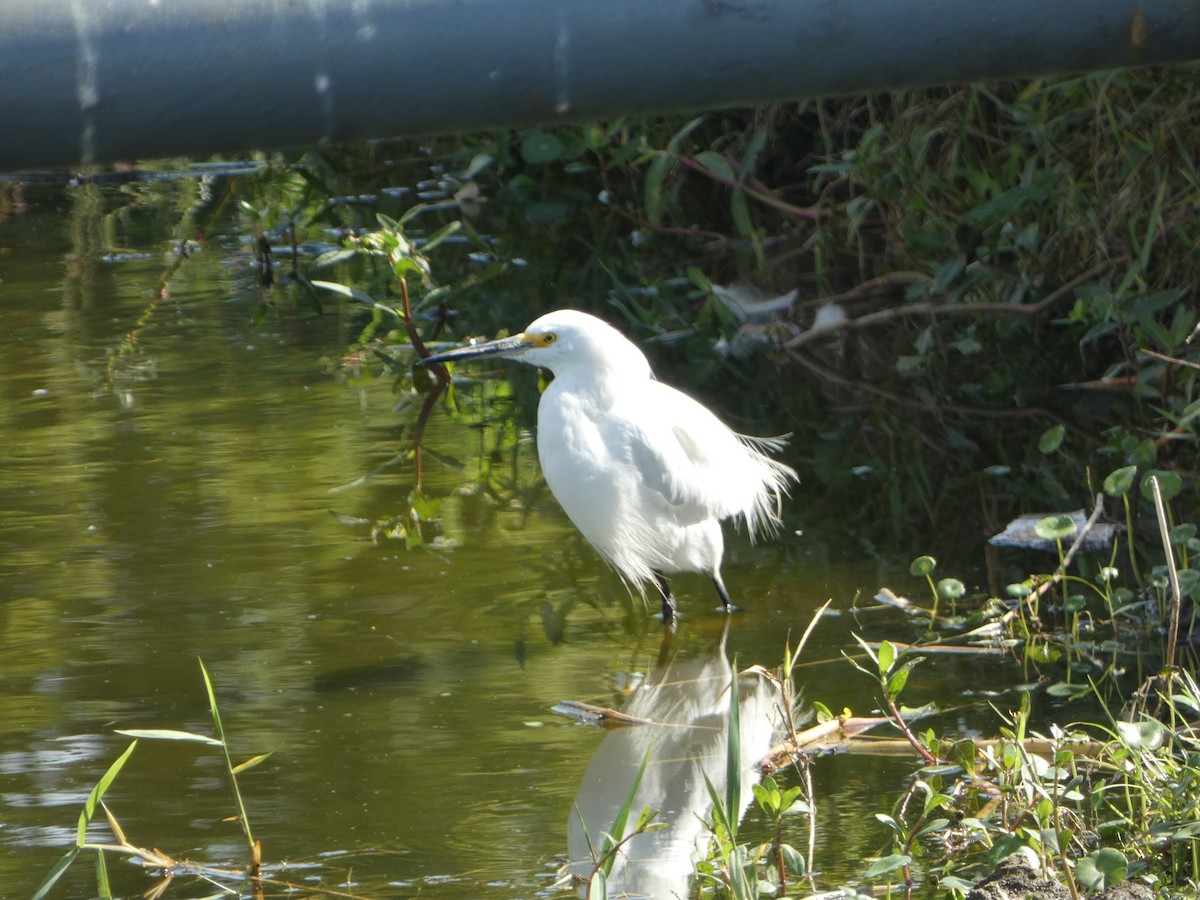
x: 764, y: 517
x: 765, y: 444
x: 764, y: 514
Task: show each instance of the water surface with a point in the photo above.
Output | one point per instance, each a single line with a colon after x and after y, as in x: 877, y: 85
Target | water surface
x: 182, y: 469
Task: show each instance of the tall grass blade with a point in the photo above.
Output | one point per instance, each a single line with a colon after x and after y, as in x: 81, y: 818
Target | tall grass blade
x: 168, y: 734
x: 89, y: 805
x: 733, y: 754
x: 103, y: 889
x: 720, y: 819
x: 56, y: 872
x: 617, y: 832
x: 229, y: 767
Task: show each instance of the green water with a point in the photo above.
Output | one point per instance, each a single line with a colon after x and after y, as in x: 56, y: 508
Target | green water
x: 171, y: 459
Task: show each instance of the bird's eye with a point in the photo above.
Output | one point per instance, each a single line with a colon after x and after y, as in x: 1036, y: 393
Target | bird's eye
x: 549, y: 338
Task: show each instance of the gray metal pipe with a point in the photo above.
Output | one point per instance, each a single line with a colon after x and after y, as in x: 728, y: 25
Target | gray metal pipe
x: 95, y: 81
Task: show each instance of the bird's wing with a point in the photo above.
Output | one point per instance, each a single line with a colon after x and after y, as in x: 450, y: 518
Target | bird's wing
x: 681, y: 451
x: 697, y: 465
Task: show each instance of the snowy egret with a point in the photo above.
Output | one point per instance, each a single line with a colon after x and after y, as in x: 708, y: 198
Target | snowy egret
x: 643, y: 470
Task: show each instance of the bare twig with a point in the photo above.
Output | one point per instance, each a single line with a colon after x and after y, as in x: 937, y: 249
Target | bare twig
x: 1172, y: 573
x: 931, y: 309
x: 982, y: 411
x: 761, y: 195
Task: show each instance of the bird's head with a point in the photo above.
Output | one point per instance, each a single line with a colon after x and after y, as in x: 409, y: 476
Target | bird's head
x: 562, y: 341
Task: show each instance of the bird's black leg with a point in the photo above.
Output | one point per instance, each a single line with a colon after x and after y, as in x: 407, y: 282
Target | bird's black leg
x: 722, y: 593
x: 668, y: 599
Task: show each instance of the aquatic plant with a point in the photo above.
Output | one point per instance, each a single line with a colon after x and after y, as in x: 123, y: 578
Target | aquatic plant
x: 169, y: 868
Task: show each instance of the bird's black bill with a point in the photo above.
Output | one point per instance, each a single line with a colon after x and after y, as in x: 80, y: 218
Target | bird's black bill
x: 509, y: 346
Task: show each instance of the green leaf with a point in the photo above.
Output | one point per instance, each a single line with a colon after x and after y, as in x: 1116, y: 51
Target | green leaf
x: 954, y: 883
x: 950, y: 589
x: 103, y: 889
x: 425, y: 507
x: 1182, y: 533
x: 168, y: 734
x: 598, y: 886
x: 922, y: 566
x: 788, y: 800
x: 331, y: 258
x: 1188, y: 832
x: 1054, y: 528
x: 655, y: 194
x: 1042, y: 653
x: 719, y: 817
x: 740, y: 210
x: 645, y: 821
x: 93, y: 799
x: 545, y: 211
x: 1052, y: 439
x: 1062, y: 689
x: 1144, y: 735
x: 541, y: 147
x: 733, y: 754
x: 889, y: 821
x: 1102, y: 869
x: 212, y: 705
x: 251, y: 763
x: 447, y: 230
x: 793, y: 862
x: 56, y: 872
x: 933, y: 825
x: 899, y: 678
x: 1118, y: 483
x: 887, y: 657
x: 617, y: 832
x: 697, y: 277
x: 681, y: 135
x: 1074, y: 603
x: 1169, y: 484
x: 353, y: 293
x: 716, y: 163
x: 887, y: 865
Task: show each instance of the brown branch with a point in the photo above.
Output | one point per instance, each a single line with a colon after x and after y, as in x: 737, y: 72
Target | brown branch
x: 766, y: 197
x: 932, y: 309
x: 1168, y: 359
x: 440, y: 373
x: 870, y: 286
x: 830, y: 375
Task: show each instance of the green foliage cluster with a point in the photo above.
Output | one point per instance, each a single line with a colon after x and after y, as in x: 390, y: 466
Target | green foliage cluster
x: 1095, y: 803
x: 1003, y: 273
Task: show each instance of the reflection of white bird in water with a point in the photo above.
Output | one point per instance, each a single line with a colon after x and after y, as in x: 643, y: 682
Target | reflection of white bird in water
x: 684, y: 735
x: 644, y: 471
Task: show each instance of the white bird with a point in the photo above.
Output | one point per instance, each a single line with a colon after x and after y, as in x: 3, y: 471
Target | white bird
x: 643, y: 470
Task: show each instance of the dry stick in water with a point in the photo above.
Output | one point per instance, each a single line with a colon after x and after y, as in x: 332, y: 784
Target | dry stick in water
x: 1173, y: 574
